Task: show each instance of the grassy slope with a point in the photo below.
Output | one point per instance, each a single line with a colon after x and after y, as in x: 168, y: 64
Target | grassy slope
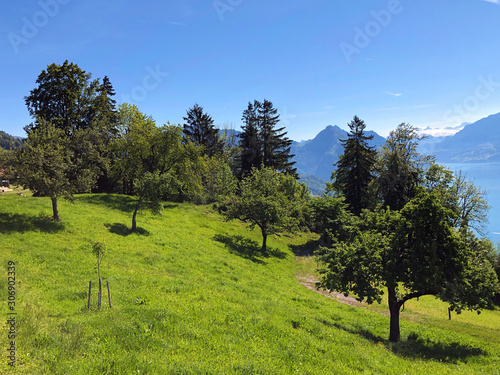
x: 191, y: 296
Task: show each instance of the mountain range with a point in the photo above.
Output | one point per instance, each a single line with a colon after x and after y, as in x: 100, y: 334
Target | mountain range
x: 316, y: 156
x: 476, y: 142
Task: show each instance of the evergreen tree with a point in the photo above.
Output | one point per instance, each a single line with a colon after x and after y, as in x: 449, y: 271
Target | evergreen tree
x: 261, y: 143
x: 275, y: 144
x: 199, y: 128
x: 355, y: 167
x: 251, y: 153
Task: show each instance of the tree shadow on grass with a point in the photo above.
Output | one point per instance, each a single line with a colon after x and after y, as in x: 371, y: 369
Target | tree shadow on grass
x: 113, y: 201
x: 25, y: 223
x: 416, y: 347
x: 305, y: 250
x: 123, y: 230
x: 123, y: 203
x: 248, y: 249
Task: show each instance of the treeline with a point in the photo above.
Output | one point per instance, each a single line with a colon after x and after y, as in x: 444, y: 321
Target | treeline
x: 80, y: 141
x: 8, y: 142
x: 393, y: 220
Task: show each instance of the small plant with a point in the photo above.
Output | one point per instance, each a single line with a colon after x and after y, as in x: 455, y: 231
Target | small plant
x: 99, y: 250
x: 140, y: 301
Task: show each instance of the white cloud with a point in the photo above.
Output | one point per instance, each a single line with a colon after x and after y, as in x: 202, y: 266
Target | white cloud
x: 493, y: 1
x: 393, y: 94
x: 441, y: 132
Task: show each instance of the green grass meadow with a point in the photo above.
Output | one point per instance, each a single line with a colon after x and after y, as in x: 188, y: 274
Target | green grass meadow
x: 192, y: 295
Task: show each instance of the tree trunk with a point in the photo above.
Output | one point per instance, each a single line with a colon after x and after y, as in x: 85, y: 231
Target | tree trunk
x: 264, y: 241
x: 55, y: 210
x: 134, y: 223
x: 394, y: 307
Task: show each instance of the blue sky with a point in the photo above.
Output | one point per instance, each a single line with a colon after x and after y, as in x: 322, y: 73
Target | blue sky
x: 429, y: 63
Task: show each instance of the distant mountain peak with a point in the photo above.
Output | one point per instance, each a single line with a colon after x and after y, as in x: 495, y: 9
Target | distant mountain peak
x: 476, y: 142
x: 317, y: 156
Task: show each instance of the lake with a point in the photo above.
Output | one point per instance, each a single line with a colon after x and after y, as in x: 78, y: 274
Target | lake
x: 487, y: 177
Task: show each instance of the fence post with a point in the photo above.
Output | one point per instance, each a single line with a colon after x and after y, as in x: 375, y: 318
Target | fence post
x: 90, y: 288
x: 109, y: 294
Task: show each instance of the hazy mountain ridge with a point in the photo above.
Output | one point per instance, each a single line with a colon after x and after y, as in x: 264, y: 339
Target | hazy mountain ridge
x: 316, y: 156
x: 477, y: 142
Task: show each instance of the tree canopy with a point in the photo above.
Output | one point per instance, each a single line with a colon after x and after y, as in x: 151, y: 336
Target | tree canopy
x: 269, y: 200
x: 45, y: 165
x: 410, y: 253
x: 399, y: 168
x: 74, y: 123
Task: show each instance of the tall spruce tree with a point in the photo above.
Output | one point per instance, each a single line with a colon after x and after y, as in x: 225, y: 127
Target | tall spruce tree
x: 355, y: 167
x: 251, y: 152
x: 262, y: 143
x: 199, y: 128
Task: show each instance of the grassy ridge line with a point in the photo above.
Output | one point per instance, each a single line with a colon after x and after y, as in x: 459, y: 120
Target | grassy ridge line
x: 190, y: 295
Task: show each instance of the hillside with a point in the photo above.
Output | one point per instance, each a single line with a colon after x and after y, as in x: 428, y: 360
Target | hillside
x: 191, y: 295
x: 8, y: 142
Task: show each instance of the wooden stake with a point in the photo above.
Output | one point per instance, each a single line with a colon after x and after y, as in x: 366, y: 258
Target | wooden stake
x: 90, y: 288
x: 109, y: 295
x: 99, y: 295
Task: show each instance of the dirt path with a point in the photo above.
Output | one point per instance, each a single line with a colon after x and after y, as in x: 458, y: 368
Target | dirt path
x: 310, y: 283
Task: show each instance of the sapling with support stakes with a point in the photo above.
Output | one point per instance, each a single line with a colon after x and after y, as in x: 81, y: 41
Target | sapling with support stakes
x: 99, y: 250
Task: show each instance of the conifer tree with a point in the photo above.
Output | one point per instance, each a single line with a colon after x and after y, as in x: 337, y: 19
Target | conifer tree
x: 251, y: 153
x: 355, y: 167
x: 199, y: 129
x: 262, y: 143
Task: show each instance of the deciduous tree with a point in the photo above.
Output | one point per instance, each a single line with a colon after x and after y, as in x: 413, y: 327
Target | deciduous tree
x: 79, y: 113
x: 149, y: 190
x: 411, y: 253
x: 45, y: 165
x: 399, y: 168
x: 268, y: 200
